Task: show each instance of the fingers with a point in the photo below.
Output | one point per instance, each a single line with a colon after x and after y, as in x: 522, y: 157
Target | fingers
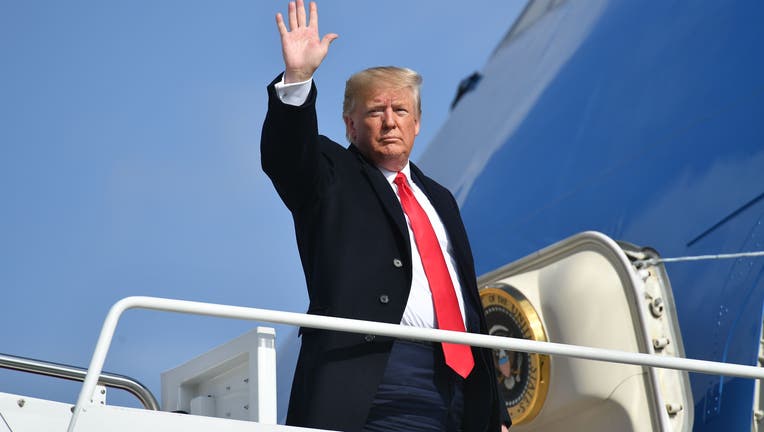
x: 328, y: 39
x: 297, y: 19
x: 301, y: 13
x: 313, y: 18
x: 280, y: 24
x: 292, y: 16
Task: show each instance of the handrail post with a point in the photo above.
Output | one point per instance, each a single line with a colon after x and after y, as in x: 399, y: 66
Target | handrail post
x: 266, y: 375
x: 99, y: 357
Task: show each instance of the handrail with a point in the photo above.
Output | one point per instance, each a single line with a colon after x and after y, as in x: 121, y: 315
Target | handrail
x: 384, y: 329
x: 74, y: 373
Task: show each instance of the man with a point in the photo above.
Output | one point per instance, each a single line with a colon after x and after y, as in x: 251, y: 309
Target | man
x: 379, y: 241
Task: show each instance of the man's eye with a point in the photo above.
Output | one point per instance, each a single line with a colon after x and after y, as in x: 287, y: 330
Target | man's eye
x: 401, y: 111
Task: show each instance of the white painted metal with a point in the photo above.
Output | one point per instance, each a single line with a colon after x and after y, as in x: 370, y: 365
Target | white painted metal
x: 121, y: 419
x: 661, y: 322
x: 99, y: 396
x: 204, y: 405
x: 236, y: 380
x: 4, y: 425
x: 368, y: 327
x: 266, y: 376
x: 45, y: 415
x: 22, y: 413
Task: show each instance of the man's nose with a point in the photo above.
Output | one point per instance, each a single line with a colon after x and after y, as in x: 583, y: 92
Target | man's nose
x: 388, y: 118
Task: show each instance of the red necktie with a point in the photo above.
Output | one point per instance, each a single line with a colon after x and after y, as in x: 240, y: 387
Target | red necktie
x: 458, y: 357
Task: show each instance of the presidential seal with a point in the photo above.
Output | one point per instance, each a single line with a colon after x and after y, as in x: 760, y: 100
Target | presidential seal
x: 523, y: 378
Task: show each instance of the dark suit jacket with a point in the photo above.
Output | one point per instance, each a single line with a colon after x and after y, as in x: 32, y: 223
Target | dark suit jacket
x: 351, y: 233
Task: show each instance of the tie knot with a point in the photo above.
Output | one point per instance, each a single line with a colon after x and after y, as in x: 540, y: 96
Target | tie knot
x: 400, y: 178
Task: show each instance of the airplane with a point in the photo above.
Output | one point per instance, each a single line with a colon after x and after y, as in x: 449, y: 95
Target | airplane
x: 599, y: 136
x: 641, y: 121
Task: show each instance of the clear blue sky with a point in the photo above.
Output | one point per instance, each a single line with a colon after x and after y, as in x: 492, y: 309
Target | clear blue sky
x: 129, y: 161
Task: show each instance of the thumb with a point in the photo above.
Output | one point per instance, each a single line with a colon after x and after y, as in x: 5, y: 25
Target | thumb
x: 328, y: 39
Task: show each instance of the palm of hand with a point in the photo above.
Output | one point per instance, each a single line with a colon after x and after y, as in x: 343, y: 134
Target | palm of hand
x: 302, y: 49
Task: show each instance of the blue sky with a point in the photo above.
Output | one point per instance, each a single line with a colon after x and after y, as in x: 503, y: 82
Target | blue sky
x: 129, y: 162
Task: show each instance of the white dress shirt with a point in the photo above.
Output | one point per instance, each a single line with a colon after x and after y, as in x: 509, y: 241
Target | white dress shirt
x: 419, y: 310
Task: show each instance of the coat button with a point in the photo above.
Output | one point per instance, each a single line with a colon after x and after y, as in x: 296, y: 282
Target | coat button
x: 398, y: 263
x: 368, y: 338
x: 384, y: 299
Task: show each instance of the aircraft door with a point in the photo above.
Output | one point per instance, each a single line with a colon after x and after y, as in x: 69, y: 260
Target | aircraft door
x: 586, y: 291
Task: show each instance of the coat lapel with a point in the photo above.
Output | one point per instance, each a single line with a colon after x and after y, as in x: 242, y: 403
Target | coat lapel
x: 385, y: 194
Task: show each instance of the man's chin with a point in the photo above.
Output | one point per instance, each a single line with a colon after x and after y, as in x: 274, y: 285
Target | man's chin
x: 392, y: 162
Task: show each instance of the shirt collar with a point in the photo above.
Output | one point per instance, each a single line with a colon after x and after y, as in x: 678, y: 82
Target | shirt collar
x: 390, y: 175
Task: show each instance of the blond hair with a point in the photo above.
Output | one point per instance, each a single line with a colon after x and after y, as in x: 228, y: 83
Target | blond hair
x: 378, y: 77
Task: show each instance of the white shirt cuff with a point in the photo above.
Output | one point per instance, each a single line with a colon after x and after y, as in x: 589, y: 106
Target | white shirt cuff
x: 293, y: 93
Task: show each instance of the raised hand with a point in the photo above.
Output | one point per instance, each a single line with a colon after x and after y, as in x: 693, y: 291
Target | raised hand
x: 301, y: 46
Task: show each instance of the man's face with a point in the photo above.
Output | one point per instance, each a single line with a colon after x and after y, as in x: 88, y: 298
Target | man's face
x: 383, y: 125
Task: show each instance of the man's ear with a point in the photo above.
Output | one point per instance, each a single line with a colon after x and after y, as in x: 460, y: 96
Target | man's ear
x: 349, y: 128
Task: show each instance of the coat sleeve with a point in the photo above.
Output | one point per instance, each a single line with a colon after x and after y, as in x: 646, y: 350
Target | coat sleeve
x: 289, y: 148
